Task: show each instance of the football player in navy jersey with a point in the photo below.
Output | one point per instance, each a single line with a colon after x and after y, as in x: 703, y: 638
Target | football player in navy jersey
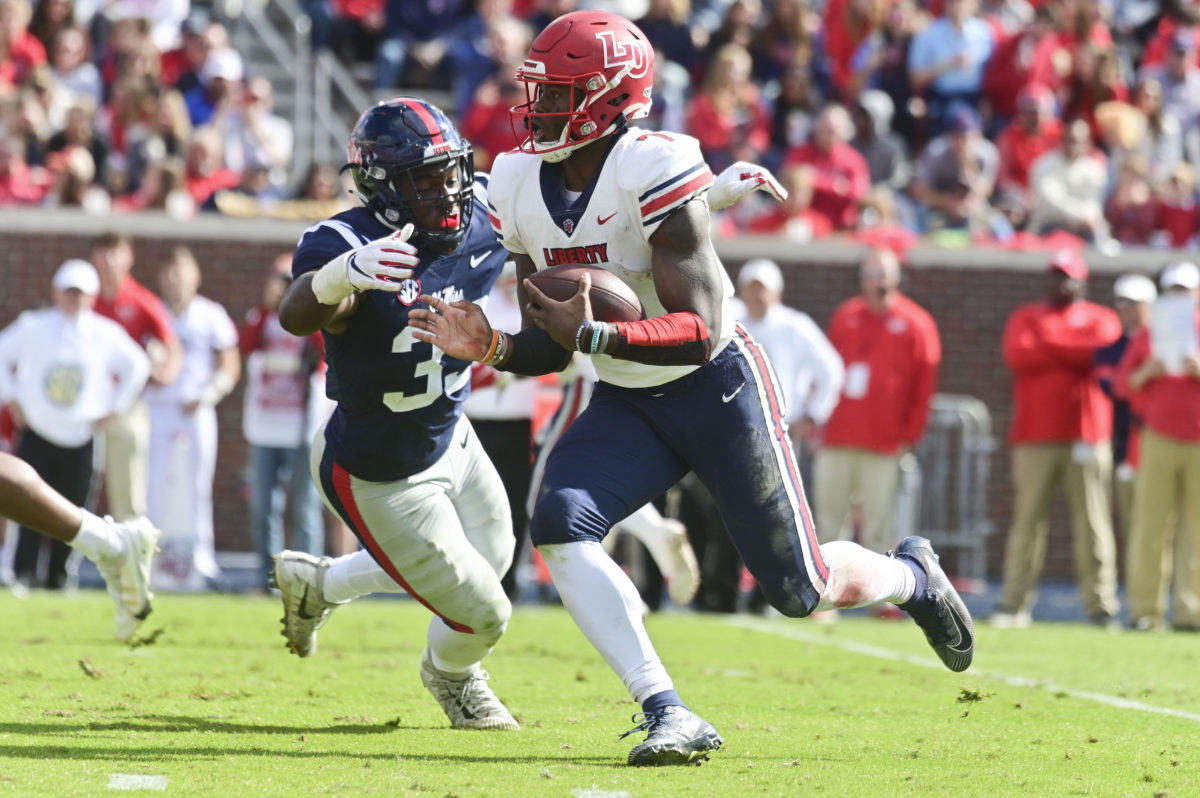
x: 684, y: 389
x: 397, y: 460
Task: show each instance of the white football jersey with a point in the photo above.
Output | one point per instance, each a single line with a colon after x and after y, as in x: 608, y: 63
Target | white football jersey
x: 645, y: 177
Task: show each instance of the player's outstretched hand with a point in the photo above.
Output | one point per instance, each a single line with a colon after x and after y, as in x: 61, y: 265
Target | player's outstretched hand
x: 381, y: 265
x: 739, y: 180
x: 460, y: 329
x: 560, y: 319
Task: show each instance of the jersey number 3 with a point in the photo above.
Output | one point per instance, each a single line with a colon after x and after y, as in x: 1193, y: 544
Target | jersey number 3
x: 426, y: 372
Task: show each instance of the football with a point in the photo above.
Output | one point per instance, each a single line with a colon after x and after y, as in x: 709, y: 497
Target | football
x: 612, y: 299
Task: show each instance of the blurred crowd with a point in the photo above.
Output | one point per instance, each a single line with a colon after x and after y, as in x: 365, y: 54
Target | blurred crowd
x: 1019, y: 123
x: 130, y: 105
x: 1004, y: 121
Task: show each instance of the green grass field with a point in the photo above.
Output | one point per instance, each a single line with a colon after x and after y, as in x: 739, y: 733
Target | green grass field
x: 216, y: 706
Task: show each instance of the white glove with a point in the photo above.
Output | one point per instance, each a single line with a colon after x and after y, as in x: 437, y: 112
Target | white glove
x: 739, y: 180
x: 381, y: 265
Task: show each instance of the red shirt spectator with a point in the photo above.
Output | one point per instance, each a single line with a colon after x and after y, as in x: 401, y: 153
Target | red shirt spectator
x: 838, y: 175
x: 1168, y: 404
x: 139, y: 311
x: 20, y: 184
x: 891, y: 359
x: 778, y: 219
x: 1034, y: 131
x: 1180, y: 219
x: 487, y: 123
x: 24, y: 55
x: 845, y: 25
x: 1160, y: 42
x: 728, y: 116
x: 1030, y: 58
x: 1050, y: 347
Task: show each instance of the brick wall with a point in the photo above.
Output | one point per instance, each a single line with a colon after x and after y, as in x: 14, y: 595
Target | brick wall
x: 970, y: 294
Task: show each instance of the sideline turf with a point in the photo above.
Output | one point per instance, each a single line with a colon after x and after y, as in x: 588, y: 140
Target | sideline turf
x: 216, y: 706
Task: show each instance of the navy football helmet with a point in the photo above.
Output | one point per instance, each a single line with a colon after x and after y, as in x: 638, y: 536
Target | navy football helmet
x: 392, y: 142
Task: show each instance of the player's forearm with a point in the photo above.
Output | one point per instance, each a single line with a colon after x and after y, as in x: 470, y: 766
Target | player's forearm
x: 529, y: 353
x: 676, y: 339
x: 302, y: 314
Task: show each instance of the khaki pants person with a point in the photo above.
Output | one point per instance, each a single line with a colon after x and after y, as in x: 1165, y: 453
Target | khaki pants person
x: 1085, y: 473
x: 1168, y: 482
x: 846, y: 477
x: 126, y: 452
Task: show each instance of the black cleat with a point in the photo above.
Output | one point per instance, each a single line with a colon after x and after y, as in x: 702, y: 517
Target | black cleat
x: 940, y: 612
x: 675, y: 736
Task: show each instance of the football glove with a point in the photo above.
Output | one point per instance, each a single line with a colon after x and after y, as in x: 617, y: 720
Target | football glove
x: 381, y: 265
x: 739, y: 180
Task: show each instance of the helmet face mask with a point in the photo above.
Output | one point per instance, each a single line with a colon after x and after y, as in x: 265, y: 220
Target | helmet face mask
x: 409, y: 164
x: 607, y: 64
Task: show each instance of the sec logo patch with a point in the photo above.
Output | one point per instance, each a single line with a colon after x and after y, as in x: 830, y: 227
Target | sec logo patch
x: 410, y: 291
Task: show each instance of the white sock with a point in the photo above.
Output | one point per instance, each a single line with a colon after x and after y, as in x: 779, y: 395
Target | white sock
x: 97, y: 539
x: 354, y: 575
x: 457, y: 654
x: 606, y: 607
x: 859, y: 577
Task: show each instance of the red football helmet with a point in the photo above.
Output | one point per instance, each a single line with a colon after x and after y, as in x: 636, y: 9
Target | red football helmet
x: 609, y: 65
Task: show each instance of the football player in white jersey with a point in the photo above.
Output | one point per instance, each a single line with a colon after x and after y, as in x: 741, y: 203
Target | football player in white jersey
x: 686, y: 388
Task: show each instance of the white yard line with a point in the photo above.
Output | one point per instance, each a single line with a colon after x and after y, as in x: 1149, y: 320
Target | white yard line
x: 136, y: 781
x: 868, y: 650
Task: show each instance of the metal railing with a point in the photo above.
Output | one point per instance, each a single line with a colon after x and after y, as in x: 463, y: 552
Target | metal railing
x: 322, y: 97
x: 943, y: 489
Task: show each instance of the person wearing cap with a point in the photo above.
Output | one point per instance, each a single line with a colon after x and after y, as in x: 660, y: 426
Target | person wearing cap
x: 219, y: 88
x: 144, y: 317
x: 1060, y: 434
x: 1069, y: 183
x: 183, y: 426
x: 284, y: 404
x: 955, y: 176
x: 1160, y: 373
x: 1133, y: 294
x: 64, y: 371
x: 891, y: 351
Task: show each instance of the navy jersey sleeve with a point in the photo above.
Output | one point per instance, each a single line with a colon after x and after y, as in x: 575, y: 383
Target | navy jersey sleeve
x: 326, y: 240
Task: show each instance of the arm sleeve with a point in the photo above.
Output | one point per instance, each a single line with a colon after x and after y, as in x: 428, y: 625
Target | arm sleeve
x: 1023, y: 347
x: 535, y: 353
x: 665, y: 172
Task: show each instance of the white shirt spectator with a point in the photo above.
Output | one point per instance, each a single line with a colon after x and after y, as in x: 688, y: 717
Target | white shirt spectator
x: 68, y: 373
x: 204, y: 328
x: 806, y: 364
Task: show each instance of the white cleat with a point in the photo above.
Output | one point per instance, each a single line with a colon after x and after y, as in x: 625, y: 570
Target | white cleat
x: 127, y: 576
x: 300, y: 578
x: 468, y: 702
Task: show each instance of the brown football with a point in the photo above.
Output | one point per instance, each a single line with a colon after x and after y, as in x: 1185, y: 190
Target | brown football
x: 612, y: 299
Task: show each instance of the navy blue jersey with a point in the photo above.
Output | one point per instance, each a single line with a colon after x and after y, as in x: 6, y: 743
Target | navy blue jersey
x: 398, y: 398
